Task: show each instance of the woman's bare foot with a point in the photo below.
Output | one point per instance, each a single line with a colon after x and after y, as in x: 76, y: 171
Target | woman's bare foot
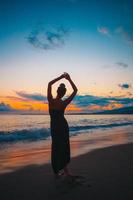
x: 67, y: 171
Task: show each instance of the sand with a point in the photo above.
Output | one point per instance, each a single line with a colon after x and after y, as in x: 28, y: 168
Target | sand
x: 106, y: 174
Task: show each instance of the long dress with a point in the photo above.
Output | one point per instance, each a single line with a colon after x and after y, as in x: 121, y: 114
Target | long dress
x: 60, y: 151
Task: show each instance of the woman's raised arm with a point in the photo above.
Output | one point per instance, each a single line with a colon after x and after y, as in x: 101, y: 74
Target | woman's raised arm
x: 69, y: 99
x: 49, y: 89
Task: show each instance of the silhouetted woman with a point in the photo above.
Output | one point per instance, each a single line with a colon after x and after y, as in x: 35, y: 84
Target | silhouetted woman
x: 60, y: 152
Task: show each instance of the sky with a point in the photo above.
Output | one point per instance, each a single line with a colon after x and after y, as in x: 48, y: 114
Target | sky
x: 91, y: 40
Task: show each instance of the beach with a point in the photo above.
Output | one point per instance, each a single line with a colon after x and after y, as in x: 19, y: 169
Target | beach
x: 107, y: 174
x: 101, y: 157
x: 25, y: 140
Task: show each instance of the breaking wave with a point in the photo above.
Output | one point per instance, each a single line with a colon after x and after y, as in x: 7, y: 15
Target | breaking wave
x: 44, y: 133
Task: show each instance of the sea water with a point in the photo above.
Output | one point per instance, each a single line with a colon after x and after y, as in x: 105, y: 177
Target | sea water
x: 26, y: 140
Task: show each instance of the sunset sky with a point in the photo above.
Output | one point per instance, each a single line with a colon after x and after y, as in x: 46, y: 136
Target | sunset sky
x: 91, y: 40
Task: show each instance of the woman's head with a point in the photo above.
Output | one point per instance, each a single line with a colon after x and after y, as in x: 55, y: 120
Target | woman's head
x: 61, y: 90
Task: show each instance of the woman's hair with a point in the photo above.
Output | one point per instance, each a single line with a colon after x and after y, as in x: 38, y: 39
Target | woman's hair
x: 61, y: 90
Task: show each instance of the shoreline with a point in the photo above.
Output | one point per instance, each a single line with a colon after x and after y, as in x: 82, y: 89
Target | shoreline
x: 66, y: 113
x: 108, y: 171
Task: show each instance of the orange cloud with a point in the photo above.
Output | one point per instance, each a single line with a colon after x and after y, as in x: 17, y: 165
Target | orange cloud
x: 20, y: 104
x: 112, y: 105
x: 73, y: 107
x: 30, y: 105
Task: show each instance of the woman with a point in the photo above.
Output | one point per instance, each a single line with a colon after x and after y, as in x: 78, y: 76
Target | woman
x: 60, y: 153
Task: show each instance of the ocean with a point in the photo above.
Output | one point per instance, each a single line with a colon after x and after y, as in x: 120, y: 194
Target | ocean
x: 26, y: 140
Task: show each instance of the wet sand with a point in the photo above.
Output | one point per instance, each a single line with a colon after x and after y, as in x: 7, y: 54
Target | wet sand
x: 107, y: 173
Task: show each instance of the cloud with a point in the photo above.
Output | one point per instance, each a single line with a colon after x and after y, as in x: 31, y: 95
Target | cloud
x: 28, y: 106
x: 48, y: 39
x: 5, y: 107
x: 117, y: 64
x: 103, y: 30
x: 13, y: 98
x: 129, y: 93
x: 80, y: 102
x: 85, y: 100
x: 127, y: 35
x: 90, y: 100
x: 121, y: 64
x: 33, y: 96
x: 124, y: 86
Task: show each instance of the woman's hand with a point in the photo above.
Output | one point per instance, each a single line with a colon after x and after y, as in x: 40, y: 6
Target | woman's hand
x: 66, y: 76
x: 63, y: 75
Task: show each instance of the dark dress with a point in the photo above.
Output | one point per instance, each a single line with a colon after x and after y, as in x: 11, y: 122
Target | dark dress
x: 60, y: 153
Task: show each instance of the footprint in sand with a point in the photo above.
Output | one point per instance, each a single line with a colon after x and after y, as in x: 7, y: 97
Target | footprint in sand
x: 65, y: 184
